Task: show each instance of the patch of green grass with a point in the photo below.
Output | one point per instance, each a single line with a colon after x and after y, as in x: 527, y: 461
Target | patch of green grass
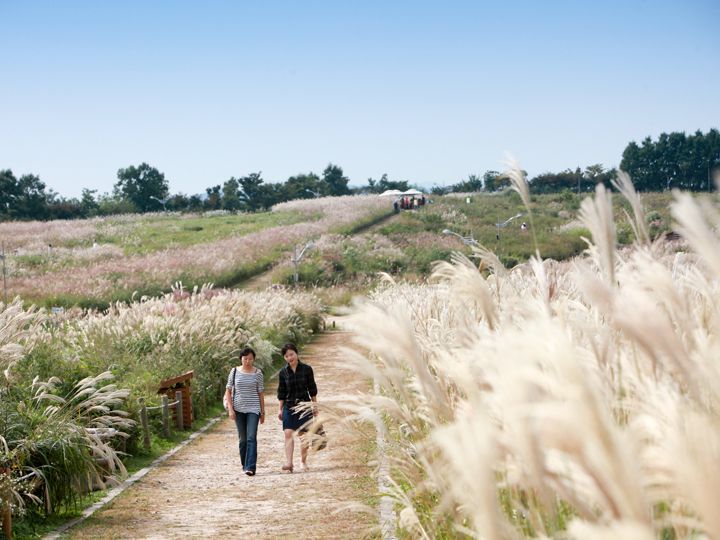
x: 158, y: 232
x: 363, y: 224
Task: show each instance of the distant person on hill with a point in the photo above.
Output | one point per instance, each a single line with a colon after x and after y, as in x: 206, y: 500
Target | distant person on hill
x: 245, y: 396
x: 296, y: 389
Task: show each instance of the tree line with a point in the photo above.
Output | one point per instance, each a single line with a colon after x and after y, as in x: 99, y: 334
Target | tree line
x: 675, y: 160
x: 144, y: 188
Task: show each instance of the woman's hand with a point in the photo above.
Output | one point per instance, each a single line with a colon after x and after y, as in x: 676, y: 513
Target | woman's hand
x: 280, y: 415
x: 231, y: 413
x: 262, y: 417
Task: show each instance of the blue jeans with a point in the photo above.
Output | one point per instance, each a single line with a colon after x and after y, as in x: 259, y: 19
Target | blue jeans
x: 247, y: 426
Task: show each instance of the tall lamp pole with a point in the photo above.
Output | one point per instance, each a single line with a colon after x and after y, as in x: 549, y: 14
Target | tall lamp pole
x: 502, y: 225
x: 296, y: 259
x: 161, y: 201
x: 467, y: 240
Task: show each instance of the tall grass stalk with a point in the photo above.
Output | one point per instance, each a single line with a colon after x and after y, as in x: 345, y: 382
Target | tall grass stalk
x: 564, y: 400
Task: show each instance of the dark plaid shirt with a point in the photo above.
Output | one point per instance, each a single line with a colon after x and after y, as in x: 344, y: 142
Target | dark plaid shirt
x: 298, y: 386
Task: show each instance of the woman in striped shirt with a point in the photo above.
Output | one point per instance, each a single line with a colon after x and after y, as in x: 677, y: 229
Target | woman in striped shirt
x: 245, y: 390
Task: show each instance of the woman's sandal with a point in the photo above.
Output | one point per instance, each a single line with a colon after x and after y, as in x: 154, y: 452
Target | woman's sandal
x: 288, y: 468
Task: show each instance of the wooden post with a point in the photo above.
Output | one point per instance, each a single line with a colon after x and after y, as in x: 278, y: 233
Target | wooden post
x: 179, y: 410
x: 6, y: 510
x: 165, y: 417
x: 145, y: 424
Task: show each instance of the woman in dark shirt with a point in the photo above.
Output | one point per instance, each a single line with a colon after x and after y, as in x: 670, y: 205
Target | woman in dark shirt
x: 296, y: 385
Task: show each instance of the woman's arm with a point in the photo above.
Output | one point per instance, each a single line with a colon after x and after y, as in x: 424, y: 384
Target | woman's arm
x: 231, y: 407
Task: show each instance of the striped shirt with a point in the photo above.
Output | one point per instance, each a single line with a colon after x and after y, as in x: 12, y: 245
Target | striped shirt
x: 245, y: 389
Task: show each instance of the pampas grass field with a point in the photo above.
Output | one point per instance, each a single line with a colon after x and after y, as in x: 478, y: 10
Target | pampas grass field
x: 148, y: 253
x: 556, y: 400
x: 573, y: 399
x: 71, y: 383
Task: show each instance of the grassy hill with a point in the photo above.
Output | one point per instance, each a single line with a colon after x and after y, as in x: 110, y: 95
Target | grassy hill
x: 94, y: 262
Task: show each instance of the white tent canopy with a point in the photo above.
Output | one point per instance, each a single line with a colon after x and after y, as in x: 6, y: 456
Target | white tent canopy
x: 390, y: 193
x: 411, y: 192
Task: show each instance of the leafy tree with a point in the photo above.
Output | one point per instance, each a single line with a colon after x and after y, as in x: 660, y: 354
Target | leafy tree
x: 214, y: 198
x: 492, y: 181
x: 252, y: 192
x: 303, y: 186
x: 378, y: 186
x: 333, y: 181
x: 22, y: 198
x: 473, y: 183
x: 88, y: 203
x: 9, y: 192
x: 109, y: 205
x: 231, y: 195
x: 33, y: 201
x: 194, y: 202
x: 143, y: 186
x: 675, y: 160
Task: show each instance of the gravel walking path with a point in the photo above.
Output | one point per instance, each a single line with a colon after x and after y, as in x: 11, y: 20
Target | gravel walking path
x: 201, y: 492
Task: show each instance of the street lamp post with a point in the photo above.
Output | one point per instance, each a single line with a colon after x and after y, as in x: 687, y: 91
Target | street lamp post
x: 502, y: 225
x: 467, y: 240
x: 161, y: 201
x: 297, y: 257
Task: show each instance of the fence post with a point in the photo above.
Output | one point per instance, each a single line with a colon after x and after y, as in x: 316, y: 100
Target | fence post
x: 145, y: 425
x: 6, y: 509
x: 179, y: 410
x: 165, y: 417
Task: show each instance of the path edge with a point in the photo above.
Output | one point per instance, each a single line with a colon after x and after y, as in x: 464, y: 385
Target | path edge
x: 117, y: 490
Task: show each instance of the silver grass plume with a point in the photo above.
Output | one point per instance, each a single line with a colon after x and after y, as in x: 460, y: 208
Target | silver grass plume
x: 597, y: 215
x: 468, y: 285
x: 698, y: 223
x: 625, y: 186
x: 518, y: 182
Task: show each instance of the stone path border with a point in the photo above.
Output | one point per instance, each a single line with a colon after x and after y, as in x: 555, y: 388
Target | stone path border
x: 117, y: 490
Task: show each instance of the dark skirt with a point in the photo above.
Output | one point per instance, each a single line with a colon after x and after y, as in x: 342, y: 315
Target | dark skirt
x: 296, y: 420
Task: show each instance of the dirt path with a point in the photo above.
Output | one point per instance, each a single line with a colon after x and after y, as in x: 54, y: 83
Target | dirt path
x: 201, y: 492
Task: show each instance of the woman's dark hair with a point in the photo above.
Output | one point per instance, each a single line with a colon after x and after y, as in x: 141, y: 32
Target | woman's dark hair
x: 288, y: 347
x: 246, y: 351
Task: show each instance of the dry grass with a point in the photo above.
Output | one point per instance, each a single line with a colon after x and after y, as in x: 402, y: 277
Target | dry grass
x: 574, y: 399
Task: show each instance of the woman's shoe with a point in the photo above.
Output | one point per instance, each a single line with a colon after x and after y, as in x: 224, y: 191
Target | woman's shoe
x: 250, y: 473
x: 288, y: 468
x: 305, y: 468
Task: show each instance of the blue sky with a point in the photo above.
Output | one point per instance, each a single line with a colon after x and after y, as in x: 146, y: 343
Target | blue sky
x: 424, y: 91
